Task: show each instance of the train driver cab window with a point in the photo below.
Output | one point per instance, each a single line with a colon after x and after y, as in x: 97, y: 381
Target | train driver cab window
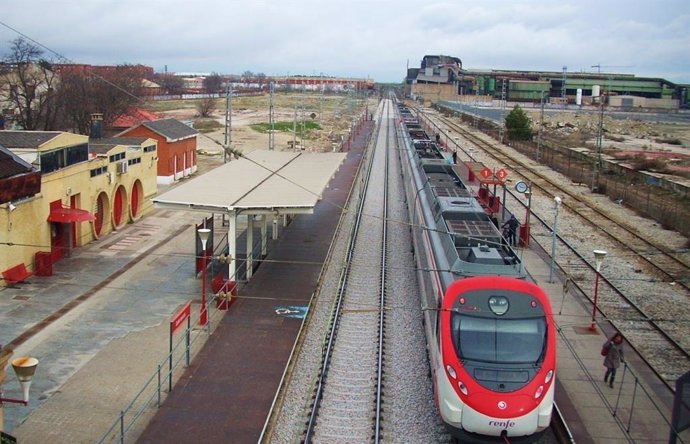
x: 491, y: 340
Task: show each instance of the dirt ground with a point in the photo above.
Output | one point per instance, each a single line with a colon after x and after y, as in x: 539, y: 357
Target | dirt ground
x: 334, y: 113
x: 669, y: 143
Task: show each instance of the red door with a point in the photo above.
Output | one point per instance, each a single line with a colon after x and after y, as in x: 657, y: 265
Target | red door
x: 100, y: 210
x: 57, y: 235
x: 118, y: 206
x: 134, y: 204
x: 73, y: 204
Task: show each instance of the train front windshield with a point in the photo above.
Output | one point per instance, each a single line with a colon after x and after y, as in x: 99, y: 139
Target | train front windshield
x: 518, y: 341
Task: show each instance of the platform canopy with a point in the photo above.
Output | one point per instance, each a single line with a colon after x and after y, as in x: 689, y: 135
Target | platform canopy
x: 260, y: 182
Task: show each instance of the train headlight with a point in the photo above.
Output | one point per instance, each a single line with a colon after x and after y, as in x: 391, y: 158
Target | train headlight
x: 451, y: 372
x: 549, y: 375
x: 462, y: 387
x: 539, y: 391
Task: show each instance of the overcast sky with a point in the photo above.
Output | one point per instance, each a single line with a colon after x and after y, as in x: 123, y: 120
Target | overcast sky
x: 357, y: 38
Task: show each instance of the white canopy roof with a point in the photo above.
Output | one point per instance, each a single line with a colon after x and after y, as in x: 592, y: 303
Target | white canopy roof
x: 259, y: 182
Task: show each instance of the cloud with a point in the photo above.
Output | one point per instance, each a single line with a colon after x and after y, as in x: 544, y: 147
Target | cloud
x: 359, y: 38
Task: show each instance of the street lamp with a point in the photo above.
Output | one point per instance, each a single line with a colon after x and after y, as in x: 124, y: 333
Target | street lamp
x: 599, y: 256
x: 203, y: 236
x: 557, y: 204
x: 24, y: 367
x: 524, y: 240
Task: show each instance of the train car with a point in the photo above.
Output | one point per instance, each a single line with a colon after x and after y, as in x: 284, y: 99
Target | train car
x: 490, y: 332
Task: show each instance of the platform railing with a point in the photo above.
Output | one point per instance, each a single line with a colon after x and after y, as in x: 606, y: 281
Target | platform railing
x: 161, y: 381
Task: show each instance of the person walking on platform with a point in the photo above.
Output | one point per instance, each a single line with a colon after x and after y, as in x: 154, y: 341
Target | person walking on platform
x: 613, y: 356
x: 510, y: 230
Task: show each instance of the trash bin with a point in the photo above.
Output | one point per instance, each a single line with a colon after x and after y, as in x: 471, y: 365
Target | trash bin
x: 43, y: 264
x: 524, y: 236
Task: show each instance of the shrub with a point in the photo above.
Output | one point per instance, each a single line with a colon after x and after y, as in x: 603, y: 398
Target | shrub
x: 640, y: 162
x: 669, y: 140
x: 518, y: 125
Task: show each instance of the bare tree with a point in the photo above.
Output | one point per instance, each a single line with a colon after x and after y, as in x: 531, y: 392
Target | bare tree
x: 111, y: 92
x: 169, y: 83
x: 213, y: 83
x: 261, y: 79
x: 206, y: 106
x: 28, y: 85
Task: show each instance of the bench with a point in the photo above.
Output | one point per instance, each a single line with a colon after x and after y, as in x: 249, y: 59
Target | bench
x: 16, y: 274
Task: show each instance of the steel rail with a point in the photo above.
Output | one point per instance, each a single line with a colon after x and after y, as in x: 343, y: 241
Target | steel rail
x: 342, y: 286
x: 382, y: 290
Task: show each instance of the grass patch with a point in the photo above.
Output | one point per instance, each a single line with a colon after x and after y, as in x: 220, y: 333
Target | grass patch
x: 286, y: 127
x: 206, y: 125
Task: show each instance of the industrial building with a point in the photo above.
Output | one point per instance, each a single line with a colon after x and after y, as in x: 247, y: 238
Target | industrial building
x: 443, y: 78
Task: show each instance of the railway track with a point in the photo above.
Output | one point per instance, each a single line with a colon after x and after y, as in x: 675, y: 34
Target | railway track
x: 648, y: 323
x: 347, y: 403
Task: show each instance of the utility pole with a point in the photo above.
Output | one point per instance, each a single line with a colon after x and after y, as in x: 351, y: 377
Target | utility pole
x: 301, y: 136
x: 294, y: 130
x: 501, y: 128
x: 321, y: 100
x: 228, y: 121
x: 597, y: 153
x: 271, y: 123
x: 541, y: 126
x: 563, y: 95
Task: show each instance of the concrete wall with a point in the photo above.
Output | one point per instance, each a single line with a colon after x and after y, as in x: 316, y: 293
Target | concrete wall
x: 642, y: 102
x: 432, y: 92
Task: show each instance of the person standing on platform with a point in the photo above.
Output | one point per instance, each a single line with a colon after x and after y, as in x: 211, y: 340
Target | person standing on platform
x: 613, y: 356
x: 510, y: 230
x: 455, y: 157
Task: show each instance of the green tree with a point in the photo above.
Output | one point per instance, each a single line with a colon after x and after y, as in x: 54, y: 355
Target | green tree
x: 518, y: 125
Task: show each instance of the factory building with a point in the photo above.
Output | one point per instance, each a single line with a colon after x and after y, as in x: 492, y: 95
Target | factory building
x: 443, y: 78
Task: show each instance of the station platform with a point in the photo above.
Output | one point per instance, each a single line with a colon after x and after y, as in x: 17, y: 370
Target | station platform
x: 637, y: 409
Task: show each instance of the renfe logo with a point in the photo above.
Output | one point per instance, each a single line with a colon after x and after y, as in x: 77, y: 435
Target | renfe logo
x: 502, y: 424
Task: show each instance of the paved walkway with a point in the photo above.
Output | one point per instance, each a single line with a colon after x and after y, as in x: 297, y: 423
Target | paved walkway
x: 100, y: 327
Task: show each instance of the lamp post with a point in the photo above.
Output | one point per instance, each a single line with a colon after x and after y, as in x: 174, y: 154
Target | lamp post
x: 557, y: 204
x: 203, y: 236
x: 24, y: 367
x: 599, y: 256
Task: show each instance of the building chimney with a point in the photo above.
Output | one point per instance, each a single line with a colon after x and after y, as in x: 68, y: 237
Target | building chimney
x: 96, y: 126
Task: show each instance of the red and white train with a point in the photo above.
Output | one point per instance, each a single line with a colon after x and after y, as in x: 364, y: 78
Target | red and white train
x: 490, y: 333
